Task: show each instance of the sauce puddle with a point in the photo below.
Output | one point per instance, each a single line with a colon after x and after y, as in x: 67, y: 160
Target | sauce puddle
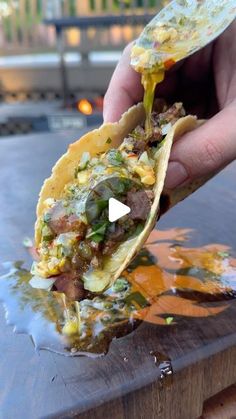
x: 166, y: 280
x: 164, y: 364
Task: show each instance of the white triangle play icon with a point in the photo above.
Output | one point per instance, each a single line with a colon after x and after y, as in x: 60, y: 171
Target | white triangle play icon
x: 116, y: 210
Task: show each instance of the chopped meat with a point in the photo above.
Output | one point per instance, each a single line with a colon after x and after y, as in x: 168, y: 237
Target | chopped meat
x: 118, y: 234
x: 161, y: 116
x: 138, y: 143
x: 172, y: 114
x: 79, y: 264
x: 113, y: 239
x: 150, y: 195
x: 140, y: 204
x: 159, y: 105
x: 60, y: 222
x: 126, y: 223
x: 109, y: 247
x: 139, y: 131
x: 156, y: 135
x: 95, y: 246
x: 71, y: 286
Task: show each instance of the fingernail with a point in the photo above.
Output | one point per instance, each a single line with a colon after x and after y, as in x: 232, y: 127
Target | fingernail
x: 176, y: 175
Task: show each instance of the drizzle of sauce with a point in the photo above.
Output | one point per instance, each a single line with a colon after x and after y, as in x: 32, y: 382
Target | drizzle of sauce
x: 149, y: 82
x: 177, y: 31
x: 166, y: 281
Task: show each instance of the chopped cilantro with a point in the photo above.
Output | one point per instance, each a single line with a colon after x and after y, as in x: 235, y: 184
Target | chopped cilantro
x: 97, y: 238
x: 162, y: 121
x: 138, y: 229
x: 72, y: 189
x: 114, y: 157
x: 84, y: 161
x: 48, y: 238
x: 121, y: 284
x: 223, y: 254
x: 120, y: 186
x: 47, y: 217
x: 98, y: 232
x: 47, y: 233
x: 101, y: 204
x: 137, y: 298
x: 182, y: 20
x: 158, y: 146
x: 76, y: 171
x: 169, y: 320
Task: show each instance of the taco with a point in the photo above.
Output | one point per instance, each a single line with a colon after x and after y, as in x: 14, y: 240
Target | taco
x: 83, y: 253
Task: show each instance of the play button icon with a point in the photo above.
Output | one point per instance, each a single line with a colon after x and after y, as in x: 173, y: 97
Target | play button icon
x: 117, y: 210
x: 111, y: 199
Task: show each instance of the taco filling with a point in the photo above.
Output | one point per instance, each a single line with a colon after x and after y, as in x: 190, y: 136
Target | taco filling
x: 76, y: 237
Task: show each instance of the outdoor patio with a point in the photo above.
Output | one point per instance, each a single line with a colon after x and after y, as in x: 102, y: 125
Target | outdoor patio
x: 40, y: 62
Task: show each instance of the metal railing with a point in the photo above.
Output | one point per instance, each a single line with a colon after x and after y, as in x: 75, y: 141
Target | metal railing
x: 22, y: 29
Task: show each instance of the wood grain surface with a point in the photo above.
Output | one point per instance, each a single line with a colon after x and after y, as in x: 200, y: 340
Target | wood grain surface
x: 202, y: 351
x: 221, y: 406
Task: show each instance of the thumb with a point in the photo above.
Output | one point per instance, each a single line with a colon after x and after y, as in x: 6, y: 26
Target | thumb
x: 203, y: 151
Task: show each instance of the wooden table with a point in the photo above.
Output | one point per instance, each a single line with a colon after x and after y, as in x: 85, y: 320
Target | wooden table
x: 203, y: 351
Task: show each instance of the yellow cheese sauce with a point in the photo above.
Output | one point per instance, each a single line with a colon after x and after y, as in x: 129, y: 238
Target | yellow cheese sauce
x: 179, y: 30
x: 149, y: 82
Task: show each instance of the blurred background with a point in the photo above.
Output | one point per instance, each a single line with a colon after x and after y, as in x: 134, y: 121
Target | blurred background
x: 57, y: 56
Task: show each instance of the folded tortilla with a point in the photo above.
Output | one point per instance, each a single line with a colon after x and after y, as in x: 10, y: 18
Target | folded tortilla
x: 96, y: 142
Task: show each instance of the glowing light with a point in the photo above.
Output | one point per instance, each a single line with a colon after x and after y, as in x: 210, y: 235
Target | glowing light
x: 85, y: 107
x: 5, y: 10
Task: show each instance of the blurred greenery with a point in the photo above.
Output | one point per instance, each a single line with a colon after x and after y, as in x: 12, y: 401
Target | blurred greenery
x: 124, y: 3
x: 29, y: 19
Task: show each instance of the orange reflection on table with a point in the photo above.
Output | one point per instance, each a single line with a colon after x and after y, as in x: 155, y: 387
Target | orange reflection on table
x: 182, y: 281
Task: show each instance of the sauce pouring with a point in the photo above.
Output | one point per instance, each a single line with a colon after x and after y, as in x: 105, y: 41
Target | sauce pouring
x: 176, y: 32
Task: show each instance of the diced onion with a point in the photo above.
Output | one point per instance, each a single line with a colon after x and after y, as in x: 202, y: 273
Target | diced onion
x: 42, y: 283
x: 144, y: 158
x: 84, y: 159
x: 166, y: 128
x: 82, y: 177
x: 49, y: 202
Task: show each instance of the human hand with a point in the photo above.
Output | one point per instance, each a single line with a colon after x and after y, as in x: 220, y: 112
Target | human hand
x: 206, y: 84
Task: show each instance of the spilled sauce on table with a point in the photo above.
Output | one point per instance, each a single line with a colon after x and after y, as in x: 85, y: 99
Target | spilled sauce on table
x: 166, y: 282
